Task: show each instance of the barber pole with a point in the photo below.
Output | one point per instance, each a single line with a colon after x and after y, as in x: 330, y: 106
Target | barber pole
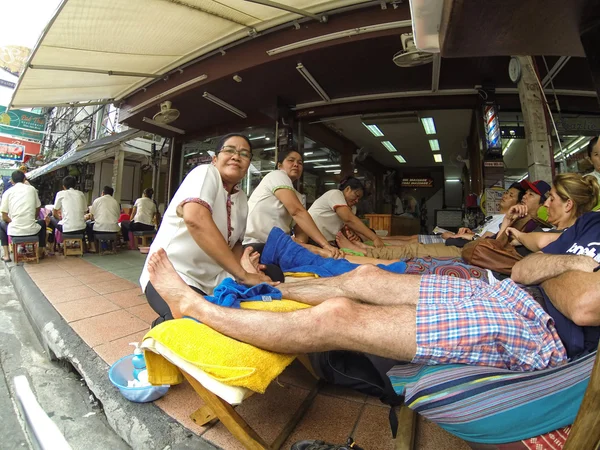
x: 492, y: 127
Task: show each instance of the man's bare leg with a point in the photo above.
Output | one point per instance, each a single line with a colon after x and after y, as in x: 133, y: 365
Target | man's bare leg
x: 366, y: 260
x: 343, y: 242
x: 368, y: 284
x: 336, y: 324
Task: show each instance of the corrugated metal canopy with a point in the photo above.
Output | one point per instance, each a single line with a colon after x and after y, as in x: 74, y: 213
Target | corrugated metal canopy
x: 140, y: 39
x: 85, y: 151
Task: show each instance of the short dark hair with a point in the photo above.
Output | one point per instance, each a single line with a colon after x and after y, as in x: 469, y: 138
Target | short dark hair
x: 107, y: 190
x: 69, y: 182
x: 285, y: 153
x: 591, y: 146
x: 149, y: 192
x: 519, y: 188
x: 224, y: 139
x: 354, y: 183
x: 17, y: 176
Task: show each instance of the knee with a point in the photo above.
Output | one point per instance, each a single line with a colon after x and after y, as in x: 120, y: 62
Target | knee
x: 337, y: 309
x: 364, y: 271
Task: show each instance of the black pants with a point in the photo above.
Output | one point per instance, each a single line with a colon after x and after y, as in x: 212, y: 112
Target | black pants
x: 58, y: 226
x: 273, y: 271
x: 41, y: 234
x: 127, y: 226
x: 158, y: 304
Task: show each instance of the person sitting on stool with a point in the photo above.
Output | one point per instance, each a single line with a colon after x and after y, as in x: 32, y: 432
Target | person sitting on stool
x: 70, y: 206
x: 144, y: 214
x: 103, y: 216
x: 20, y: 208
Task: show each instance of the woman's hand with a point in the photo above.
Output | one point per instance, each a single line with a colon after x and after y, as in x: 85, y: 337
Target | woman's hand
x: 250, y: 261
x: 333, y: 252
x: 378, y: 243
x: 252, y: 279
x: 514, y: 234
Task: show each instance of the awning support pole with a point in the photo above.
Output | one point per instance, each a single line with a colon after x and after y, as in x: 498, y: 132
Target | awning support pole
x: 300, y: 12
x: 103, y: 72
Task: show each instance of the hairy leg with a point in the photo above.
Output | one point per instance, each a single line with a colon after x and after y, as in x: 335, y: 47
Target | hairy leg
x: 337, y: 324
x: 366, y: 260
x: 368, y: 284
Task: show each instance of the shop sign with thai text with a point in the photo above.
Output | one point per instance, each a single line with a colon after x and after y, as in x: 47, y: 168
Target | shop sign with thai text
x: 424, y: 182
x: 22, y: 124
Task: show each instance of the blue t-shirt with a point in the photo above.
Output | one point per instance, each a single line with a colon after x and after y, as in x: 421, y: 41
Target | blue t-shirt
x: 583, y: 238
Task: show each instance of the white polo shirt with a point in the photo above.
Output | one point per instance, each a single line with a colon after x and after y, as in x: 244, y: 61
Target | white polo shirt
x: 20, y: 203
x: 265, y: 210
x: 145, y: 211
x: 106, y: 211
x: 73, y: 205
x: 203, y: 185
x: 492, y: 225
x: 324, y: 215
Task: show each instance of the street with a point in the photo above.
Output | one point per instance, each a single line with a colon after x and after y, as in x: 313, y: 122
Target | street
x: 58, y: 388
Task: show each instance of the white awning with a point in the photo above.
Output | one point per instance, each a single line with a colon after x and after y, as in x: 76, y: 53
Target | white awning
x: 85, y: 151
x: 102, y: 50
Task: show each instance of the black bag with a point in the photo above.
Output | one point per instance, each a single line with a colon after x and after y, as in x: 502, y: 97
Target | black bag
x: 361, y: 372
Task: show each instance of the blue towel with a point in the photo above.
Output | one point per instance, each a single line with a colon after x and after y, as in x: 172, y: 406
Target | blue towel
x: 230, y: 294
x: 291, y: 257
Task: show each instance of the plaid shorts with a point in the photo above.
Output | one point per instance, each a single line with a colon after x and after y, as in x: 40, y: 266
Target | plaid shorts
x: 471, y: 322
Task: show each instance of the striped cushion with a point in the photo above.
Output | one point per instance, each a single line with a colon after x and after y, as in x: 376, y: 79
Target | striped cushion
x: 493, y: 406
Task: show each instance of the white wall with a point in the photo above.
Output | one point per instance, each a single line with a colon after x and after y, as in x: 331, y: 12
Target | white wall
x: 131, y: 180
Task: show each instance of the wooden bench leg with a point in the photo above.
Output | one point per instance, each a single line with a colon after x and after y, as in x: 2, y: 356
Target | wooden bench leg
x: 203, y: 415
x: 407, y: 424
x: 230, y: 418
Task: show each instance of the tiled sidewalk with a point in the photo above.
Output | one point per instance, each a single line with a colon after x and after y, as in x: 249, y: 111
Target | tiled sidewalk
x: 100, y: 298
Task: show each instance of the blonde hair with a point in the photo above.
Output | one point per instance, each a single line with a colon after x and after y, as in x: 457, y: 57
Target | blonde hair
x: 582, y: 191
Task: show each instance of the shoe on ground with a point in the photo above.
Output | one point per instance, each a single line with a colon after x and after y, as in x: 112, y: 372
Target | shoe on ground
x: 321, y: 445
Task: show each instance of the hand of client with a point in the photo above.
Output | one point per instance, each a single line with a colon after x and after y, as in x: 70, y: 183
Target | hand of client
x: 448, y: 235
x: 514, y: 234
x: 333, y: 252
x: 378, y: 243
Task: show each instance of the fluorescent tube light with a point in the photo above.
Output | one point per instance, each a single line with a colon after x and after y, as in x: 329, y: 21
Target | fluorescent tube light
x: 508, y: 144
x: 224, y: 105
x: 389, y: 146
x: 400, y: 159
x: 434, y: 144
x: 163, y: 125
x: 340, y: 35
x: 428, y: 125
x: 308, y: 153
x: 453, y: 180
x: 310, y: 161
x: 334, y: 171
x: 329, y: 183
x: 327, y: 166
x: 313, y: 83
x: 437, y: 158
x: 523, y: 177
x: 374, y: 129
x: 269, y: 148
x: 256, y: 138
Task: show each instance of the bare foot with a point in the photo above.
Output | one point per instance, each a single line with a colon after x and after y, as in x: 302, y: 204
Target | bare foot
x: 171, y: 287
x: 343, y: 242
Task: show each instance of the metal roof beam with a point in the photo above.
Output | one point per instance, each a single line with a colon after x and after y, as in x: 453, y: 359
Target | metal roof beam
x: 300, y: 12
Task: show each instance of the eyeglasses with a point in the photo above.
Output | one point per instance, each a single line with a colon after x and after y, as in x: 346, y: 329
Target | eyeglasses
x: 231, y: 150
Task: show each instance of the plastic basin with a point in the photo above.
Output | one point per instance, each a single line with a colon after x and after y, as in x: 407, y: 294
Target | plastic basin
x: 122, y: 371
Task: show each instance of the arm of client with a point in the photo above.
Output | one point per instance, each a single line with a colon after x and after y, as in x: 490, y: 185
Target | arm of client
x: 539, y: 267
x: 203, y: 229
x: 533, y: 241
x: 576, y: 294
x: 350, y: 219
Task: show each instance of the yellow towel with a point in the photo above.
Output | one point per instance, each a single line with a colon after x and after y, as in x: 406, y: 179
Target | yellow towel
x: 301, y: 274
x: 227, y: 360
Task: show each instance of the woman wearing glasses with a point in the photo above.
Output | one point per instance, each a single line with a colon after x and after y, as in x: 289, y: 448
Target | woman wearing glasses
x: 276, y: 203
x: 203, y: 226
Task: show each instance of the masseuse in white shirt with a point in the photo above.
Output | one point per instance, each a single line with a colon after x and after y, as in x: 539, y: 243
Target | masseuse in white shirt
x: 143, y: 215
x: 337, y: 207
x: 204, y: 224
x: 20, y: 208
x: 69, y: 210
x: 103, y: 217
x: 276, y: 203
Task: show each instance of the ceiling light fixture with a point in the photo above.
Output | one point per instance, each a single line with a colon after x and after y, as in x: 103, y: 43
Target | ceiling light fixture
x: 269, y: 148
x: 308, y: 154
x: 224, y: 105
x: 330, y: 183
x: 163, y: 125
x: 437, y: 158
x: 428, y: 125
x: 340, y: 35
x: 327, y: 166
x: 334, y: 171
x: 256, y: 138
x: 400, y: 159
x: 374, y: 129
x: 508, y: 144
x: 434, y: 144
x: 389, y: 146
x: 453, y: 180
x: 310, y: 161
x: 313, y: 83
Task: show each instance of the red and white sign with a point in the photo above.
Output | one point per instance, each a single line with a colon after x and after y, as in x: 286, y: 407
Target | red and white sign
x: 31, y: 148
